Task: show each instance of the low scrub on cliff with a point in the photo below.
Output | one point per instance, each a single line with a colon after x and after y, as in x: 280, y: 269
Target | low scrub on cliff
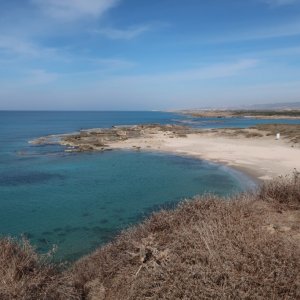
x: 26, y: 275
x: 206, y: 248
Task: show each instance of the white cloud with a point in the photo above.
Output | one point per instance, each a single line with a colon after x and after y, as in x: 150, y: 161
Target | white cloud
x: 15, y: 46
x: 267, y: 32
x: 277, y: 3
x: 29, y: 78
x: 39, y: 77
x: 281, y: 51
x: 74, y: 9
x: 168, y: 79
x: 10, y: 44
x: 283, y: 30
x: 209, y: 72
x: 112, y: 63
x: 259, y: 93
x: 128, y: 33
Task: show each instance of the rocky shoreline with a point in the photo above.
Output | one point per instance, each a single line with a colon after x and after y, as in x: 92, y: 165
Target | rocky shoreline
x: 99, y: 139
x: 103, y: 139
x: 256, y: 150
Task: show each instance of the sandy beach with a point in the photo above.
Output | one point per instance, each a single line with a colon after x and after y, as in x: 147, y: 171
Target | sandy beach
x: 255, y: 151
x: 263, y: 158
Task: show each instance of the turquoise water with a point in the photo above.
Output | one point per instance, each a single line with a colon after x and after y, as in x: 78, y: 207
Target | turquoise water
x: 80, y: 201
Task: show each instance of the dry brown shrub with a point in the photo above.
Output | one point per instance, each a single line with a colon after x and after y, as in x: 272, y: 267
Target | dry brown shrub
x: 289, y: 131
x: 283, y: 191
x: 26, y: 276
x: 207, y: 248
x: 253, y: 135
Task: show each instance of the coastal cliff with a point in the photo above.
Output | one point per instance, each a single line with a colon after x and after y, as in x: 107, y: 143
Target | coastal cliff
x: 209, y: 247
x: 246, y: 246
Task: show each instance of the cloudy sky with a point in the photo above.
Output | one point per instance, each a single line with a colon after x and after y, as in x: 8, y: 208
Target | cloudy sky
x: 148, y: 54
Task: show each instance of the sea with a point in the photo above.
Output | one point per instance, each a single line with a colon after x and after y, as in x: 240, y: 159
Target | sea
x: 75, y: 202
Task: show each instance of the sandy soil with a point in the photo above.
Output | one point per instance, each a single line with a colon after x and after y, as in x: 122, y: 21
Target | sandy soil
x: 262, y: 158
x: 254, y: 150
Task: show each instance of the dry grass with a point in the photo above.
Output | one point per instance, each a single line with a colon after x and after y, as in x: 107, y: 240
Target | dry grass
x: 254, y: 135
x: 283, y: 191
x: 207, y: 248
x: 24, y: 275
x: 238, y: 132
x: 289, y: 131
x: 243, y: 113
x: 268, y: 113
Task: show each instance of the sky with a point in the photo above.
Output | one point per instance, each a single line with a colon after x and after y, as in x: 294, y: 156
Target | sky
x: 148, y: 54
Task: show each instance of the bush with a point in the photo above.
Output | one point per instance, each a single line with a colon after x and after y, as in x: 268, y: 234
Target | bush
x: 206, y: 248
x: 284, y: 191
x: 26, y: 275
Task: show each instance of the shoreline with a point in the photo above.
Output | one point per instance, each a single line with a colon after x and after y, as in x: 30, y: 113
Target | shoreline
x: 257, y: 168
x: 250, y: 175
x: 252, y: 151
x: 253, y: 176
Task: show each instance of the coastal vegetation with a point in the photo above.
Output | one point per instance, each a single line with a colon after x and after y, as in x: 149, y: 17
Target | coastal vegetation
x: 289, y: 131
x: 100, y: 139
x: 268, y: 113
x: 259, y: 114
x: 245, y: 247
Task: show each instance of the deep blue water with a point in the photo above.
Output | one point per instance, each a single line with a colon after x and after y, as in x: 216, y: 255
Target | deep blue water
x: 79, y: 201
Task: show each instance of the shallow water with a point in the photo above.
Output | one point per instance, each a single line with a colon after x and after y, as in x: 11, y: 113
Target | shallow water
x: 79, y: 201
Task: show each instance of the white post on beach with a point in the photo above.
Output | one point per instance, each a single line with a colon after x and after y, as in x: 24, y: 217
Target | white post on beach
x: 278, y: 136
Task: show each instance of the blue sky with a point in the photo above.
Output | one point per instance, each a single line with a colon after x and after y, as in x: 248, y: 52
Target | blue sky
x: 142, y: 54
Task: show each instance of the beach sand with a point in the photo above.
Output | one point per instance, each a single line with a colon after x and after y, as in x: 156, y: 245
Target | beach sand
x: 255, y: 151
x: 262, y: 158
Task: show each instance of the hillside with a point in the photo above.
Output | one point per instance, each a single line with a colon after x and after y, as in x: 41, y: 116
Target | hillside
x: 246, y: 247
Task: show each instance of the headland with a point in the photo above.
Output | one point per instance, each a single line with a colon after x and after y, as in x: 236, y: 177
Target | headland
x: 256, y: 150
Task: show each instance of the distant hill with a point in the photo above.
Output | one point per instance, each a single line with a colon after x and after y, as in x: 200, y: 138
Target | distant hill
x: 257, y: 107
x: 272, y: 106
